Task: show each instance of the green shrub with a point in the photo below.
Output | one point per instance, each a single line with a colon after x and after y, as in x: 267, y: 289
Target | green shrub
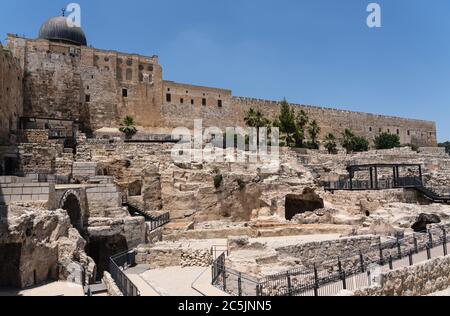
x: 387, y: 141
x: 360, y: 144
x: 241, y: 184
x: 218, y: 179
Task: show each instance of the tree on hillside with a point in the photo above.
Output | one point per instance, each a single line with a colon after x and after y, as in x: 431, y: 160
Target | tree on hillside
x: 387, y: 141
x: 347, y: 140
x: 128, y: 127
x: 314, y: 131
x: 257, y: 120
x: 353, y: 143
x: 302, y: 122
x: 330, y: 144
x: 446, y: 145
x: 360, y: 144
x: 287, y: 125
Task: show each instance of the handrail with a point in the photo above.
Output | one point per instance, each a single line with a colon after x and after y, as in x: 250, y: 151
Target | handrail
x: 304, y: 280
x: 117, y: 265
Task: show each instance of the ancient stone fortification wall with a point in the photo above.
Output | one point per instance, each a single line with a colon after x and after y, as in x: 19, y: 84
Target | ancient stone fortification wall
x: 94, y: 86
x: 422, y: 279
x: 334, y: 121
x: 101, y: 87
x: 11, y: 100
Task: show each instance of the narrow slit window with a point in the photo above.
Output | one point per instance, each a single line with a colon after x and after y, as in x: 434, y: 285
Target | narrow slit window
x: 204, y: 101
x: 125, y: 93
x: 168, y: 97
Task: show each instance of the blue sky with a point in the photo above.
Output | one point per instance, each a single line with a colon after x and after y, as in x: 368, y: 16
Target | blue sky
x: 317, y: 52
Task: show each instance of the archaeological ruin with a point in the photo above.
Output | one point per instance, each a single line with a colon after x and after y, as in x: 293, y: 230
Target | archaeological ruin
x: 83, y: 203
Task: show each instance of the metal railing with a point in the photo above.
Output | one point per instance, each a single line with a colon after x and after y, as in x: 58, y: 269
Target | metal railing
x: 336, y: 274
x: 154, y: 221
x: 157, y: 222
x: 117, y: 265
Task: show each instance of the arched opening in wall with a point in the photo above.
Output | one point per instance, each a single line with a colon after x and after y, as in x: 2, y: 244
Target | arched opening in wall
x: 72, y: 206
x: 10, y: 266
x: 135, y: 188
x: 101, y: 248
x: 309, y: 201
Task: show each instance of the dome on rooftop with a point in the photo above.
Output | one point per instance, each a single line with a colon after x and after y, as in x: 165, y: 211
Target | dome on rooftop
x: 58, y: 30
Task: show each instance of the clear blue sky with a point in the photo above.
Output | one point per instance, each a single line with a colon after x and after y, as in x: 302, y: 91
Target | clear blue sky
x: 317, y: 52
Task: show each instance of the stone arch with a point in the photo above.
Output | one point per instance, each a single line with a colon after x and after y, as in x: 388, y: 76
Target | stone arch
x: 70, y: 202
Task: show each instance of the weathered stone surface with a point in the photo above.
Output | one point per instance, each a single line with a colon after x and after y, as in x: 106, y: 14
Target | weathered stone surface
x: 49, y: 246
x: 418, y: 280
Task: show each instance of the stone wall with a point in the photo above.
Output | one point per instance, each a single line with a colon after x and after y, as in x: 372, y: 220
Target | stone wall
x: 418, y: 280
x: 13, y: 192
x: 11, y: 96
x: 162, y: 257
x: 111, y: 286
x: 94, y: 86
x: 101, y: 198
x: 334, y: 121
x: 41, y: 246
x: 101, y: 87
x: 318, y: 252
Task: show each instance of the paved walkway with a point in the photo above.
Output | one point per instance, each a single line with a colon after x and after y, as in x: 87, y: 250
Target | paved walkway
x: 51, y: 289
x: 173, y: 281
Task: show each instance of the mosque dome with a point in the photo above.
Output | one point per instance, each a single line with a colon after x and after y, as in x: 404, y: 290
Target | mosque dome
x: 58, y: 30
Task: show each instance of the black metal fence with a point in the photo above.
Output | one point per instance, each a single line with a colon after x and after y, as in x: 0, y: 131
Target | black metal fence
x: 159, y: 221
x: 336, y: 274
x: 381, y: 184
x: 117, y: 265
x: 155, y: 221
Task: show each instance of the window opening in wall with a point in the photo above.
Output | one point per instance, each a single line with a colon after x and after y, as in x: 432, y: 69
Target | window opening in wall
x: 370, y: 129
x: 192, y: 102
x: 219, y: 103
x: 380, y: 130
x: 181, y: 100
x: 398, y: 132
x: 125, y: 93
x: 129, y: 74
x: 168, y: 97
x: 204, y: 102
x: 409, y: 133
x: 88, y: 98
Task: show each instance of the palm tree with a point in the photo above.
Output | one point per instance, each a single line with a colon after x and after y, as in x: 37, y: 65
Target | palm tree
x: 330, y: 143
x: 302, y: 122
x: 128, y: 127
x: 314, y: 131
x: 348, y: 138
x: 257, y: 120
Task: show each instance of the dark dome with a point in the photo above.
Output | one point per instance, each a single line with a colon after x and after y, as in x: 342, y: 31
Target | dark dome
x: 57, y: 29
